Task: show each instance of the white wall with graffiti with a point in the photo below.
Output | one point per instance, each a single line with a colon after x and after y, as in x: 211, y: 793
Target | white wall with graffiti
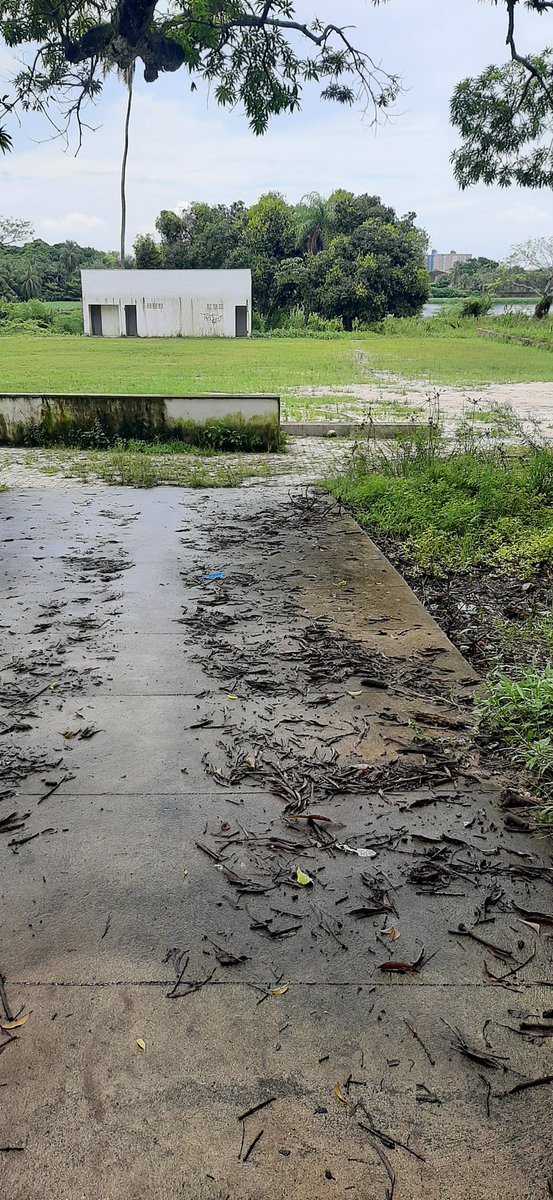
x: 167, y: 303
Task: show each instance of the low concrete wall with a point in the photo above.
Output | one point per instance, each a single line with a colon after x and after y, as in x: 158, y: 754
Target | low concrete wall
x: 126, y: 416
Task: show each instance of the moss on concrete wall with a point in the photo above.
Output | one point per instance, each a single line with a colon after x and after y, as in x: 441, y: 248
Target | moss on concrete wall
x: 104, y: 421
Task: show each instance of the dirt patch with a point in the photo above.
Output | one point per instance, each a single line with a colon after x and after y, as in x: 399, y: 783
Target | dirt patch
x: 477, y: 610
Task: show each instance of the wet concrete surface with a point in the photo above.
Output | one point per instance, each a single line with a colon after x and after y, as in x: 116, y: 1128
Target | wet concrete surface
x: 235, y: 730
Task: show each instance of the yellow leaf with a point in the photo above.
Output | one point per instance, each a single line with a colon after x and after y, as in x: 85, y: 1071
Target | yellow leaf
x: 303, y: 879
x: 53, y: 686
x: 342, y: 583
x: 354, y: 694
x: 141, y: 1044
x: 340, y: 1095
x: 280, y: 991
x: 232, y: 697
x: 69, y: 733
x: 7, y: 1025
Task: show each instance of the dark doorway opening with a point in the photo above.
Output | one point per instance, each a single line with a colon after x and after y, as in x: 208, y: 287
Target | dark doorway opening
x: 241, y: 320
x: 131, y: 327
x: 96, y: 320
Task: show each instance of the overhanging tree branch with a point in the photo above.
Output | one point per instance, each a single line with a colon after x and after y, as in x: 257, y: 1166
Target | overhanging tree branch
x: 252, y: 49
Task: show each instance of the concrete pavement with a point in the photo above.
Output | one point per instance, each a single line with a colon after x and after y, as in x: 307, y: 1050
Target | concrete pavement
x: 182, y: 746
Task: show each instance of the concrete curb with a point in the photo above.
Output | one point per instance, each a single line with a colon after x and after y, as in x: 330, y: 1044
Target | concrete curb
x: 382, y: 430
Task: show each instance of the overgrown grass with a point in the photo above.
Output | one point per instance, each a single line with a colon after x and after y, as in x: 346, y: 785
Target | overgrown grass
x: 187, y: 366
x: 135, y: 469
x: 525, y: 640
x: 459, y: 513
x: 520, y: 712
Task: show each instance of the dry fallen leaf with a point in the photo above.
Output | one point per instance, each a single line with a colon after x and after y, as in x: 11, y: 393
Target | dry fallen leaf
x: 280, y: 991
x: 354, y: 694
x: 404, y: 968
x: 340, y: 1095
x: 7, y: 1025
x: 141, y: 1044
x: 532, y: 925
x: 303, y: 879
x: 392, y: 933
x: 69, y: 733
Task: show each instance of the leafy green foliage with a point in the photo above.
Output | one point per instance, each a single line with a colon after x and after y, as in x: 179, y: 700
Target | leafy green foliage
x: 349, y: 258
x: 474, y: 306
x: 39, y: 270
x: 505, y: 115
x: 32, y: 316
x: 519, y: 710
x: 257, y: 54
x: 457, y: 512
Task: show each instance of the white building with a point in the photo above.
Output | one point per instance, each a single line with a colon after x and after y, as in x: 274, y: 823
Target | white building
x: 167, y: 303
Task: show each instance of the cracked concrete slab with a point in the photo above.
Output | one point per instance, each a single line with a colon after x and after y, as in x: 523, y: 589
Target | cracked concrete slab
x: 149, y: 890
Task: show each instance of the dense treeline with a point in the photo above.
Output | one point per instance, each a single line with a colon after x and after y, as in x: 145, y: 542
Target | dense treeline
x: 349, y: 259
x: 36, y: 270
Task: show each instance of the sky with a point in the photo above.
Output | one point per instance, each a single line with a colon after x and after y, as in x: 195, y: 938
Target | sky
x: 184, y: 147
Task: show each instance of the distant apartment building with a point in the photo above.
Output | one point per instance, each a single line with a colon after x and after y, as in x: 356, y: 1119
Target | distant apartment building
x: 442, y: 264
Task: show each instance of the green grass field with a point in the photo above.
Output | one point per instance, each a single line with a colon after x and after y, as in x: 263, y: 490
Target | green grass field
x: 175, y: 366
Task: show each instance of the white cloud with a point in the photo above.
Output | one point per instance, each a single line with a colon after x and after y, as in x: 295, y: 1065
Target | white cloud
x: 73, y: 225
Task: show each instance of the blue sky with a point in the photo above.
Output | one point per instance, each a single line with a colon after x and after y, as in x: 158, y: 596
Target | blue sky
x: 184, y: 147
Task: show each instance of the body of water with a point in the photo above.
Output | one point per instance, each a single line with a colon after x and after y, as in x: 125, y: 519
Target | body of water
x: 433, y: 308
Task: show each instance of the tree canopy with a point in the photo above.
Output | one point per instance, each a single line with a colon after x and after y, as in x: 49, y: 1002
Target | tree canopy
x: 257, y: 53
x: 39, y: 270
x: 349, y: 258
x: 505, y: 115
x: 260, y: 54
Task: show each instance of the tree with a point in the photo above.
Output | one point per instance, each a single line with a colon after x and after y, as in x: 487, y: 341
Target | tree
x: 146, y: 253
x: 378, y: 270
x: 479, y: 275
x: 314, y: 222
x: 531, y: 263
x: 30, y: 282
x: 13, y: 230
x: 70, y: 257
x: 269, y: 237
x: 505, y: 115
x: 257, y: 53
x: 375, y: 268
x: 127, y: 75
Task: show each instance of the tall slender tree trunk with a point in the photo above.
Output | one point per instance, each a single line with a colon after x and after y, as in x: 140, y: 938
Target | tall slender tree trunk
x: 129, y: 81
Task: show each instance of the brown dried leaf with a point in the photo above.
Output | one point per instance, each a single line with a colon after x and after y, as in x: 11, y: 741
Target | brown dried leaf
x: 17, y: 1024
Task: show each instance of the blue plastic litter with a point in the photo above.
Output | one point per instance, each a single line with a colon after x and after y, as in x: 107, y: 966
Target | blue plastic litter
x: 214, y: 575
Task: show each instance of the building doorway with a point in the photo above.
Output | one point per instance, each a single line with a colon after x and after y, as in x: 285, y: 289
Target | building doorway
x: 131, y: 326
x: 241, y: 320
x: 96, y: 320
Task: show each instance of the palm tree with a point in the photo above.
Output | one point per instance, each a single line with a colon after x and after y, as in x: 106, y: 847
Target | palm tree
x: 69, y: 257
x: 7, y: 291
x: 30, y: 282
x: 127, y: 75
x: 5, y: 140
x: 314, y: 222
